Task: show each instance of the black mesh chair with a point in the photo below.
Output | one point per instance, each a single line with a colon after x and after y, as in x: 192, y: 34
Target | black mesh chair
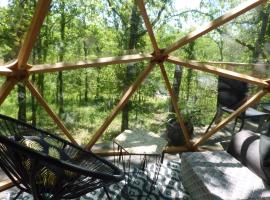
x: 49, y: 167
x: 231, y: 95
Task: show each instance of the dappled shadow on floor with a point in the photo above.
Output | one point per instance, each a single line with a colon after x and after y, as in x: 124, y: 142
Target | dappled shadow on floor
x: 217, y: 175
x: 168, y: 185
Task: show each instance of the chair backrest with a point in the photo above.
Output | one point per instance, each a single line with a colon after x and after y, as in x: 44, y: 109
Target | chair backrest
x: 231, y: 93
x: 48, y: 166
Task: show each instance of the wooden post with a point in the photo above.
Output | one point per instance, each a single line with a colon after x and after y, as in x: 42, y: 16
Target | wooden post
x: 43, y: 103
x: 6, y: 88
x: 120, y: 105
x: 232, y: 14
x: 37, y: 21
x: 219, y: 71
x: 175, y: 106
x: 149, y: 26
x: 241, y: 109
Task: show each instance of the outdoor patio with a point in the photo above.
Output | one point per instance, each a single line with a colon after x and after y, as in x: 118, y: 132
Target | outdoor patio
x: 169, y: 183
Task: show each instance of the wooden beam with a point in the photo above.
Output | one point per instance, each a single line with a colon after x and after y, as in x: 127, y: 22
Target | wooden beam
x: 110, y: 152
x: 133, y: 88
x: 179, y: 117
x: 4, y: 71
x: 219, y: 71
x: 12, y: 64
x: 176, y: 149
x: 169, y: 149
x: 233, y: 64
x: 241, y: 109
x: 149, y: 26
x: 43, y: 103
x: 37, y: 21
x: 6, y: 88
x: 91, y: 63
x: 5, y: 184
x: 232, y: 14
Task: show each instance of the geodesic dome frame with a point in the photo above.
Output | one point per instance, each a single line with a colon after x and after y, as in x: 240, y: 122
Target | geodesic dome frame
x: 20, y: 70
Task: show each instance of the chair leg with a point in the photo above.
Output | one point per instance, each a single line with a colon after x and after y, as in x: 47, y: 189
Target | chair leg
x: 214, y: 118
x: 242, y: 123
x: 107, y: 193
x: 268, y: 132
x: 262, y: 120
x: 235, y: 122
x: 19, y: 193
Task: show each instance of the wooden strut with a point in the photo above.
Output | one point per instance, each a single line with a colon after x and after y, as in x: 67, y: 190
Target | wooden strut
x: 219, y: 71
x: 91, y: 63
x: 43, y: 103
x: 176, y: 149
x: 149, y: 26
x: 232, y: 14
x: 175, y: 106
x: 241, y: 109
x: 168, y: 149
x: 37, y: 21
x: 6, y: 89
x: 4, y: 71
x: 233, y: 64
x: 120, y: 105
x: 5, y: 184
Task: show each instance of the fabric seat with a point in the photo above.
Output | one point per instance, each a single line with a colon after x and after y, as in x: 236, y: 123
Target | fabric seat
x: 231, y: 95
x: 49, y: 167
x: 251, y: 114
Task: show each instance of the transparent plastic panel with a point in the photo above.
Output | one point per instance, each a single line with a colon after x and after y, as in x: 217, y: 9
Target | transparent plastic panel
x: 15, y: 20
x: 241, y: 45
x: 85, y: 30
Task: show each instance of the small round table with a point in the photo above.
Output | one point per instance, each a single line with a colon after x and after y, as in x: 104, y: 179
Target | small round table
x: 144, y: 143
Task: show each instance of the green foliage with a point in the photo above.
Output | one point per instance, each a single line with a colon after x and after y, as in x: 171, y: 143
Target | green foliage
x: 96, y: 29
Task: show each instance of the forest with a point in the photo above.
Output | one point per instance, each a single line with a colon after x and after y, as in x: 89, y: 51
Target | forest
x: 82, y: 30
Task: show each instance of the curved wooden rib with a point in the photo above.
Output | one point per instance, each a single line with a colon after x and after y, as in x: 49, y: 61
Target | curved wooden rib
x: 91, y: 63
x: 43, y: 103
x: 148, y: 25
x: 241, y: 109
x: 4, y: 71
x: 6, y: 88
x: 239, y: 10
x: 233, y: 64
x: 219, y: 71
x: 37, y: 21
x: 133, y: 88
x: 175, y: 106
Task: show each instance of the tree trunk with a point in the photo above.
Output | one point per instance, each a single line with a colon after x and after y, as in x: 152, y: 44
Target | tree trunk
x: 190, y: 55
x: 264, y: 15
x: 178, y: 72
x: 133, y: 39
x: 61, y: 97
x: 33, y: 104
x: 86, y: 88
x: 22, y: 102
x: 97, y: 96
x: 61, y: 58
